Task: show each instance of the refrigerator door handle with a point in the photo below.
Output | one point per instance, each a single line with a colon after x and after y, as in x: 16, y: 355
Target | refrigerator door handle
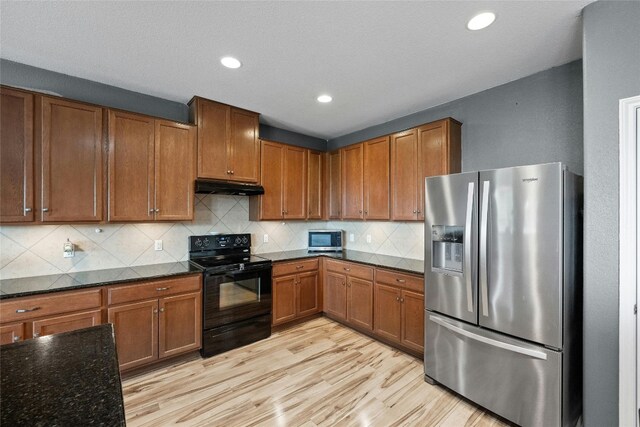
x: 483, y: 248
x: 467, y: 247
x: 489, y: 341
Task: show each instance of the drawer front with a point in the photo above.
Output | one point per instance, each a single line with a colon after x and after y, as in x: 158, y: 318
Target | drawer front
x: 350, y: 268
x: 405, y: 281
x: 286, y: 268
x: 155, y: 289
x: 64, y: 302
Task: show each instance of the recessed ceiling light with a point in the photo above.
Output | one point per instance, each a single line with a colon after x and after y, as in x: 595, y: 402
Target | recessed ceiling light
x: 481, y: 20
x: 230, y: 62
x: 324, y: 98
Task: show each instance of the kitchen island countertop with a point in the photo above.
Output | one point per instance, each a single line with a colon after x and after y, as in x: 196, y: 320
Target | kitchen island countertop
x: 69, y: 379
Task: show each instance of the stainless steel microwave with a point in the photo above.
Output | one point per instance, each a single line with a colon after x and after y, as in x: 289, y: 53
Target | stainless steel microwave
x: 325, y: 240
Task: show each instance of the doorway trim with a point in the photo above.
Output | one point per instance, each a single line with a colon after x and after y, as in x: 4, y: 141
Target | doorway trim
x: 628, y: 258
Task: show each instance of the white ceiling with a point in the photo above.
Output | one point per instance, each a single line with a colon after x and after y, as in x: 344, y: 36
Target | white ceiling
x: 379, y: 60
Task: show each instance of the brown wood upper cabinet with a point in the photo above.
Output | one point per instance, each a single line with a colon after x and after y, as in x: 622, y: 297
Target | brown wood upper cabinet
x: 352, y: 181
x: 284, y: 178
x: 315, y: 164
x: 151, y: 168
x: 228, y: 146
x: 334, y: 185
x: 71, y: 166
x: 428, y: 150
x: 16, y: 156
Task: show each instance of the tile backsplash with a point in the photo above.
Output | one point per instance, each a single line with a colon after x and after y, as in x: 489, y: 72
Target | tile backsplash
x: 37, y: 250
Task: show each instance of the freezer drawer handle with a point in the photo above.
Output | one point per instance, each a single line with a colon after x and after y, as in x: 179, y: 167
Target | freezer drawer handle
x: 467, y: 247
x: 483, y: 249
x: 510, y: 347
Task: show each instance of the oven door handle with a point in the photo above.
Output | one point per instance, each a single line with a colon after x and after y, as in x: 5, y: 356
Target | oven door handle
x: 247, y: 269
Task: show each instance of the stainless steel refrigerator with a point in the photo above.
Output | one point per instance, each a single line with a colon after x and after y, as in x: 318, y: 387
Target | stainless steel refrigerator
x: 503, y: 291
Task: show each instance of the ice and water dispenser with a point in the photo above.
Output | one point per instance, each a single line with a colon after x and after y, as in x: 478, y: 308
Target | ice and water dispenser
x: 448, y: 248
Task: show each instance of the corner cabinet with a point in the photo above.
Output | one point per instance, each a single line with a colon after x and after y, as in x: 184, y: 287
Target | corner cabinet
x: 71, y: 160
x: 144, y: 182
x: 16, y: 156
x: 429, y: 150
x: 284, y: 178
x: 156, y: 319
x: 228, y: 146
x: 296, y: 290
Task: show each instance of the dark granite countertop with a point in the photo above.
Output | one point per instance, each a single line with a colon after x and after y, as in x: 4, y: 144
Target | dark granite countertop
x: 407, y: 265
x: 11, y: 288
x: 68, y: 379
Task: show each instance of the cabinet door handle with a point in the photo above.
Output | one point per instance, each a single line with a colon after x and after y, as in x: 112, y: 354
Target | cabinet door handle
x: 415, y: 211
x: 152, y: 210
x: 36, y: 334
x: 157, y: 210
x: 162, y: 310
x: 27, y: 310
x: 163, y: 289
x: 232, y: 172
x: 27, y: 210
x: 16, y: 338
x: 401, y: 299
x: 45, y: 209
x: 398, y: 299
x: 359, y: 211
x: 155, y: 310
x: 228, y: 172
x: 418, y: 211
x: 343, y: 283
x: 349, y: 284
x: 400, y: 280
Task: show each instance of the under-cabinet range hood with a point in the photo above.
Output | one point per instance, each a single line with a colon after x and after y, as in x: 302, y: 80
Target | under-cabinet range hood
x: 214, y: 186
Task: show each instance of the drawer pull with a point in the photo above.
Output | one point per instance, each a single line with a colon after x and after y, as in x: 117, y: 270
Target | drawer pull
x: 299, y: 267
x: 347, y: 269
x: 400, y: 280
x: 27, y: 310
x: 163, y: 289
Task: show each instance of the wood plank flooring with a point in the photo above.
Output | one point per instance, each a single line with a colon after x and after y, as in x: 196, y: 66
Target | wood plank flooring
x: 319, y: 373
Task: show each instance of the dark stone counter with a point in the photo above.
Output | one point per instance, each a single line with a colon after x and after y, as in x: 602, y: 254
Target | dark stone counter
x: 407, y: 265
x: 11, y: 288
x: 68, y: 379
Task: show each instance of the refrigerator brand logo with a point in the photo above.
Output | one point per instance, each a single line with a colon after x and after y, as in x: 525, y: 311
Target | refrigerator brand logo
x: 529, y: 179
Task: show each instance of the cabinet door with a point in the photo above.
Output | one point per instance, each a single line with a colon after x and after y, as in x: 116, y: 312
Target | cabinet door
x: 335, y: 295
x: 360, y: 302
x: 175, y: 163
x: 314, y: 185
x: 131, y: 163
x: 271, y: 175
x: 404, y: 176
x: 295, y: 183
x: 284, y: 299
x: 16, y: 156
x: 376, y: 178
x: 12, y: 332
x: 352, y: 182
x: 388, y: 312
x: 180, y: 324
x: 413, y: 320
x: 213, y: 139
x: 72, y: 176
x: 136, y: 330
x: 308, y: 295
x: 334, y: 187
x: 244, y: 146
x: 66, y: 323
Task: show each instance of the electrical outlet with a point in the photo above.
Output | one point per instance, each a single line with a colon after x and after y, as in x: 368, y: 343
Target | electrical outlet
x: 352, y: 237
x: 157, y: 245
x: 68, y: 250
x: 265, y: 238
x: 368, y: 238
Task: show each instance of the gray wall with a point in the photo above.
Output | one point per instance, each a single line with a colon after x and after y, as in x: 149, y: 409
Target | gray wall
x: 535, y: 119
x: 16, y: 74
x: 611, y: 61
x: 21, y: 75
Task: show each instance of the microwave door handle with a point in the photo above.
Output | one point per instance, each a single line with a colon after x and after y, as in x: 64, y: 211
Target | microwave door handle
x: 467, y: 247
x: 483, y: 248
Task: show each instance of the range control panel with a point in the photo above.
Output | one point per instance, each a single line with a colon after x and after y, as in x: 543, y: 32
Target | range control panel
x: 219, y: 241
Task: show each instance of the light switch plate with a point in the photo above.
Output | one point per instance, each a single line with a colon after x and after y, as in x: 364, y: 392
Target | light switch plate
x: 368, y: 238
x: 157, y: 245
x: 265, y: 238
x: 352, y: 237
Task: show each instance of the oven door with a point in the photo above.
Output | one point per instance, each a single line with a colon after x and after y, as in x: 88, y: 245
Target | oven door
x: 236, y: 295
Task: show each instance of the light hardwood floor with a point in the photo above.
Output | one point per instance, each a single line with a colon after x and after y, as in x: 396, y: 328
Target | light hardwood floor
x: 315, y: 374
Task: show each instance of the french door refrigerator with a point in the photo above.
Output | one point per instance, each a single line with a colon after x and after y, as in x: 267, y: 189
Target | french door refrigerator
x: 503, y: 291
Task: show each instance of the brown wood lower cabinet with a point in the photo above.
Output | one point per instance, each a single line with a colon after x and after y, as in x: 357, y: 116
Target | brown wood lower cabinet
x: 148, y: 329
x: 295, y: 295
x: 349, y: 293
x: 12, y: 332
x: 66, y: 323
x: 399, y: 310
